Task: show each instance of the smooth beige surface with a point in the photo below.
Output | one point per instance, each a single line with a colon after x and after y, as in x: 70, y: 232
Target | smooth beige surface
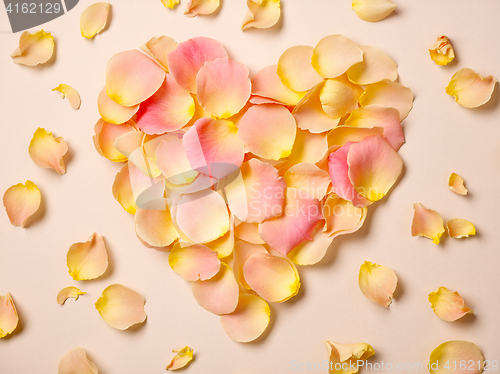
x: 442, y: 137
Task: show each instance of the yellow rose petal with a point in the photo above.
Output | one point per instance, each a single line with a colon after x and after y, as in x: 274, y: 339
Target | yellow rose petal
x: 427, y: 223
x: 34, y: 48
x: 375, y: 67
x: 442, y: 51
x: 21, y: 201
x: 70, y: 94
x: 334, y: 55
x: 68, y: 292
x: 182, y: 358
x: 94, y: 19
x: 460, y: 228
x: 373, y: 10
x: 170, y: 3
x: 47, y: 151
x: 459, y: 352
x: 76, y: 361
x: 201, y: 7
x: 449, y: 306
x: 8, y: 315
x: 377, y: 283
x: 88, y: 260
x: 344, y: 357
x: 456, y: 184
x: 159, y: 48
x: 470, y: 89
x: 261, y: 14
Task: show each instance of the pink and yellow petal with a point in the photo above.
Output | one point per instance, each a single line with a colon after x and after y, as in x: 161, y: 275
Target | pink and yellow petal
x: 347, y: 357
x: 442, y: 52
x: 449, y: 306
x: 194, y: 262
x: 242, y: 252
x: 343, y: 134
x: 21, y: 201
x: 87, y: 260
x: 456, y: 351
x: 34, y: 49
x: 309, y: 178
x: 334, y: 55
x: 460, y: 228
x: 47, y: 151
x: 376, y: 67
x: 341, y: 216
x: 248, y: 232
x: 182, y: 358
x: 158, y: 48
x: 389, y: 94
x: 373, y: 10
x: 155, y: 227
x: 311, y: 252
x: 427, y: 223
x: 105, y: 136
x: 68, y: 292
x: 76, y: 361
x: 94, y: 19
x: 201, y: 7
x: 268, y: 85
x: 456, y: 184
x: 470, y: 89
x: 112, y: 112
x: 8, y: 315
x: 261, y: 14
x: 295, y: 69
x: 377, y: 283
x: 69, y: 93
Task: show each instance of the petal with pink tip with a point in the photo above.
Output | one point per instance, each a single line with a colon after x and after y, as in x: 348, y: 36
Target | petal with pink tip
x: 76, y: 361
x: 267, y: 83
x: 334, y: 55
x: 373, y: 10
x: 389, y: 94
x: 341, y: 216
x: 194, y: 262
x: 47, y: 151
x: 347, y: 357
x: 456, y: 184
x: 122, y: 190
x: 159, y: 48
x: 94, y: 19
x: 21, y: 201
x: 69, y: 93
x: 442, y: 52
x: 242, y: 252
x: 339, y: 97
x: 343, y: 134
x: 312, y: 252
x: 377, y: 283
x: 376, y: 66
x: 182, y: 358
x: 295, y: 69
x: 68, y: 292
x: 201, y: 7
x: 427, y: 223
x: 458, y: 351
x: 8, y: 315
x: 261, y: 14
x: 309, y: 178
x: 308, y: 147
x: 449, y: 306
x: 155, y: 227
x: 87, y: 260
x: 34, y: 49
x: 112, y: 112
x: 470, y: 89
x: 460, y: 228
x: 105, y: 137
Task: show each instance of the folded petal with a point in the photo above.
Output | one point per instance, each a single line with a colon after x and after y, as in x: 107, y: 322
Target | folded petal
x: 341, y: 216
x: 442, y: 51
x: 339, y: 97
x: 112, y: 112
x: 456, y: 351
x: 334, y: 54
x: 295, y: 69
x: 377, y: 283
x: 21, y: 201
x: 456, y: 184
x: 242, y: 252
x: 70, y: 94
x: 121, y: 307
x: 201, y: 7
x: 170, y: 3
x: 34, y: 48
x: 132, y: 77
x: 105, y: 136
x: 389, y: 94
x: 427, y: 223
x: 122, y: 190
x: 76, y: 361
x: 47, y: 151
x: 87, y: 260
x: 460, y: 228
x: 308, y: 147
x: 182, y: 358
x: 373, y: 10
x: 194, y: 262
x: 309, y: 178
x: 470, y: 89
x: 267, y: 83
x: 248, y: 232
x: 159, y: 47
x: 8, y: 315
x: 155, y: 227
x: 261, y: 14
x: 273, y: 278
x: 268, y: 131
x: 376, y: 67
x: 68, y: 292
x: 449, y: 306
x: 94, y: 19
x: 345, y: 357
x: 311, y: 252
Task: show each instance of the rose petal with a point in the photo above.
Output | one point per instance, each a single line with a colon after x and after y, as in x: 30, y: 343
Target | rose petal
x: 194, y: 262
x: 127, y: 143
x: 268, y: 131
x: 295, y: 69
x: 201, y: 7
x: 182, y: 358
x: 132, y: 77
x: 470, y: 89
x: 341, y: 135
x: 68, y: 292
x: 308, y: 147
x: 242, y: 252
x: 121, y: 307
x: 373, y: 10
x: 456, y: 351
x: 155, y: 227
x: 311, y: 252
x: 347, y: 356
x: 21, y: 201
x: 376, y: 67
x: 389, y: 94
x: 105, y: 137
x: 47, y: 151
x: 34, y: 48
x: 70, y: 94
x: 87, y: 260
x: 460, y: 228
x: 341, y: 216
x: 8, y: 315
x: 122, y: 190
x: 267, y: 83
x: 112, y: 112
x: 427, y: 223
x: 173, y: 162
x: 273, y: 278
x: 456, y: 184
x: 377, y: 283
x: 339, y: 97
x: 334, y: 54
x: 159, y: 47
x: 261, y: 14
x: 442, y: 51
x: 449, y: 306
x: 309, y: 178
x: 94, y: 19
x: 248, y: 232
x: 76, y: 361
x: 170, y: 3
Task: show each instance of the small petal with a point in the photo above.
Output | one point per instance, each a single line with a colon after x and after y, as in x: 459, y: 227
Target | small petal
x: 121, y: 307
x: 311, y: 252
x: 449, y: 306
x: 308, y: 147
x: 373, y: 10
x: 8, y: 315
x: 47, y: 151
x: 341, y: 216
x: 68, y: 292
x: 274, y: 278
x: 334, y: 55
x: 341, y: 135
x: 346, y: 357
x: 339, y: 97
x: 87, y: 260
x: 159, y: 48
x: 376, y: 67
x: 460, y: 228
x: 242, y: 252
x: 377, y: 283
x: 389, y: 94
x: 105, y: 136
x: 21, y: 201
x: 94, y: 19
x: 295, y: 69
x: 309, y: 178
x: 122, y: 190
x: 427, y: 223
x: 70, y: 94
x: 261, y: 14
x: 76, y: 361
x: 248, y: 232
x: 442, y: 52
x: 201, y: 7
x: 456, y: 184
x: 267, y: 83
x: 170, y: 3
x: 182, y: 358
x: 456, y: 351
x: 155, y: 227
x: 112, y: 112
x: 248, y: 321
x: 470, y: 89
x: 34, y: 48
x: 194, y: 262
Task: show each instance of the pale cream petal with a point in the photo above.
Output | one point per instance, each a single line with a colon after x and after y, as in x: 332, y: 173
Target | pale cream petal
x: 449, y: 306
x: 295, y: 69
x: 112, y: 112
x: 194, y: 262
x: 456, y: 351
x: 76, y: 361
x: 242, y: 251
x: 427, y: 223
x: 346, y: 357
x: 470, y: 89
x: 334, y: 55
x: 456, y: 184
x: 389, y: 94
x: 21, y: 201
x: 460, y: 228
x: 34, y: 48
x: 8, y: 315
x: 309, y: 178
x: 248, y: 232
x: 182, y: 358
x: 159, y: 48
x: 201, y: 7
x: 94, y: 19
x: 68, y: 292
x: 376, y: 66
x: 339, y: 97
x: 442, y: 52
x: 87, y: 260
x: 311, y: 252
x: 122, y: 190
x: 377, y: 283
x: 373, y: 10
x: 341, y: 216
x: 47, y: 151
x: 70, y: 94
x: 267, y: 85
x: 155, y: 227
x: 261, y: 14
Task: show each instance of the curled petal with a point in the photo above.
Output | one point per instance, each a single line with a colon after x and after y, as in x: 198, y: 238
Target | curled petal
x: 311, y: 252
x: 274, y: 278
x: 159, y: 48
x: 377, y: 283
x: 341, y: 216
x: 261, y: 14
x: 308, y: 147
x: 8, y: 315
x: 68, y: 292
x: 376, y: 67
x: 87, y: 260
x: 309, y: 178
x: 155, y: 227
x: 460, y: 228
x: 248, y: 321
x: 373, y: 10
x: 295, y: 69
x: 389, y: 94
x: 132, y: 77
x: 339, y: 97
x: 195, y: 262
x: 122, y: 190
x: 427, y: 223
x: 34, y: 48
x: 456, y: 351
x: 470, y: 89
x: 442, y: 52
x: 456, y: 184
x: 105, y: 136
x: 112, y: 112
x: 219, y: 294
x: 224, y: 245
x: 170, y: 3
x: 21, y: 201
x: 242, y: 252
x: 334, y: 54
x: 182, y: 358
x: 70, y: 94
x: 201, y: 7
x: 121, y: 307
x: 268, y: 131
x: 47, y: 151
x: 76, y: 361
x: 347, y: 356
x: 267, y: 84
x: 449, y: 306
x: 94, y: 19
x: 248, y: 232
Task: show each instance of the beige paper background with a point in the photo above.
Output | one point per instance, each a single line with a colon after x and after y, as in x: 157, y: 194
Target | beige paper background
x: 441, y: 137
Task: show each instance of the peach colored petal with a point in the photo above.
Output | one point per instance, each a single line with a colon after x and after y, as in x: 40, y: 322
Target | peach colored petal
x: 248, y: 321
x: 301, y: 214
x: 129, y: 142
x: 169, y: 109
x: 373, y: 10
x: 155, y: 227
x: 308, y: 147
x: 347, y: 357
x: 268, y: 131
x: 341, y: 216
x: 173, y: 161
x: 376, y: 66
x: 70, y: 94
x: 311, y: 252
x: 261, y: 14
x: 449, y: 306
x: 442, y: 52
x: 121, y: 307
x: 144, y: 157
x: 377, y: 283
x: 295, y: 69
x: 309, y: 178
x: 182, y: 358
x: 242, y: 252
x: 76, y: 361
x: 132, y: 77
x: 122, y: 190
x: 68, y: 292
x: 267, y: 83
x: 8, y: 315
x: 456, y: 351
x: 21, y: 201
x: 389, y: 94
x: 343, y: 134
x: 105, y: 137
x: 87, y: 260
x: 159, y: 48
x: 190, y: 56
x: 148, y: 191
x: 339, y: 97
x: 460, y: 228
x: 112, y: 112
x: 194, y: 262
x: 224, y: 245
x: 427, y: 223
x: 274, y: 278
x: 94, y: 19
x: 376, y: 116
x: 201, y: 7
x: 248, y: 232
x: 334, y: 54
x: 34, y: 48
x: 47, y: 151
x: 219, y: 294
x: 470, y: 89
x: 456, y: 184
x: 170, y: 3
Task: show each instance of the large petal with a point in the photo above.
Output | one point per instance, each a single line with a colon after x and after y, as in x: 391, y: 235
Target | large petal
x: 389, y: 94
x: 456, y: 184
x: 373, y: 10
x: 94, y: 19
x: 122, y: 190
x: 21, y: 201
x: 266, y: 83
x: 334, y: 54
x: 427, y: 223
x: 311, y: 252
x: 242, y: 252
x: 112, y: 112
x: 442, y: 52
x: 460, y: 228
x: 376, y: 67
x: 8, y: 315
x: 155, y: 227
x: 248, y: 232
x: 449, y: 306
x: 345, y: 358
x: 201, y: 7
x: 456, y: 351
x: 470, y: 89
x: 159, y: 48
x: 295, y: 69
x: 68, y: 292
x: 261, y: 14
x: 377, y: 283
x: 182, y: 358
x: 308, y: 147
x: 87, y: 260
x: 194, y: 262
x: 47, y: 151
x: 309, y: 178
x: 105, y: 136
x: 76, y: 361
x: 69, y: 93
x: 339, y: 97
x: 34, y: 48
x: 341, y: 216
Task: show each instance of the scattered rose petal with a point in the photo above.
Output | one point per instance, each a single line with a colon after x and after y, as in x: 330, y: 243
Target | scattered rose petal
x: 427, y: 223
x: 201, y: 7
x: 34, y: 48
x: 442, y: 51
x: 346, y: 356
x: 182, y: 358
x: 70, y: 94
x: 377, y: 283
x: 339, y: 97
x: 224, y: 245
x: 194, y: 262
x: 159, y: 48
x: 47, y: 151
x: 122, y: 190
x: 87, y: 260
x: 105, y: 137
x: 308, y: 147
x: 68, y: 292
x: 127, y: 143
x: 311, y: 252
x: 21, y: 201
x: 456, y: 184
x: 261, y: 14
x: 242, y: 252
x: 449, y: 306
x: 170, y: 3
x: 389, y: 94
x: 8, y: 315
x: 343, y: 134
x: 173, y: 162
x: 334, y: 55
x: 112, y: 112
x: 376, y: 67
x: 248, y: 232
x: 309, y: 178
x: 155, y: 227
x: 456, y: 351
x: 76, y: 361
x: 460, y: 228
x: 295, y: 69
x: 373, y: 10
x: 267, y: 83
x: 94, y: 19
x: 341, y: 216
x: 470, y: 89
